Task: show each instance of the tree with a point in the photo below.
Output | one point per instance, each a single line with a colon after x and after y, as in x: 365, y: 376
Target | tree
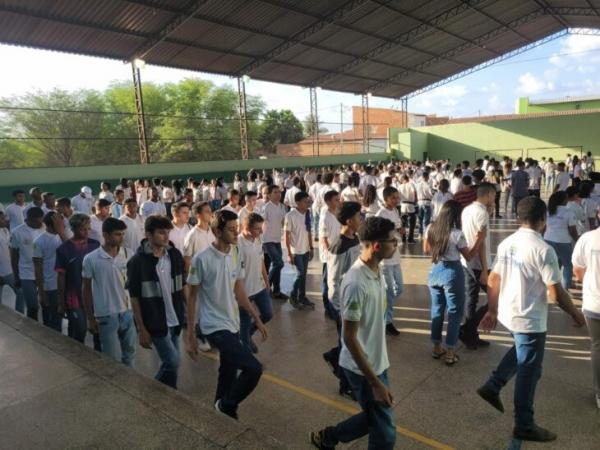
x: 280, y: 127
x: 310, y: 129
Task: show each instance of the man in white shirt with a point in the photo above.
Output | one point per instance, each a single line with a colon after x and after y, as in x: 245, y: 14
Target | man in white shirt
x: 290, y: 194
x: 274, y: 213
x: 391, y: 270
x: 216, y: 285
x: 535, y: 178
x: 299, y: 247
x: 329, y: 233
x: 106, y: 301
x: 105, y: 192
x: 116, y: 208
x: 181, y: 226
x: 135, y: 225
x: 313, y: 192
x: 249, y: 207
x: 15, y: 211
x: 525, y: 272
x: 256, y: 279
x: 562, y: 178
x: 475, y: 219
x: 21, y: 257
x: 440, y: 197
x: 408, y: 207
x: 364, y: 357
x: 44, y: 262
x: 153, y: 206
x: 6, y: 274
x: 83, y: 202
x: 102, y: 212
x: 424, y: 197
x: 233, y: 204
x: 48, y: 202
x: 36, y: 199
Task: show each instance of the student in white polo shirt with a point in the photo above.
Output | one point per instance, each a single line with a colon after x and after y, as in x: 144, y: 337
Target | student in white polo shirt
x: 135, y: 225
x: 15, y: 212
x: 524, y: 273
x: 274, y: 213
x: 586, y: 266
x: 83, y: 202
x: 106, y: 301
x: 216, y: 282
x: 6, y: 274
x: 249, y: 207
x: 101, y: 213
x: 153, y: 206
x: 329, y: 233
x: 181, y: 226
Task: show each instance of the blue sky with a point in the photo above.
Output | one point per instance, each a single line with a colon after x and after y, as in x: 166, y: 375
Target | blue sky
x: 567, y: 66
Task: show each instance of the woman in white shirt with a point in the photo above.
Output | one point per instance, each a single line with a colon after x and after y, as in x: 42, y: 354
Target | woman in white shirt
x: 446, y: 243
x: 350, y: 193
x: 370, y: 203
x: 561, y: 232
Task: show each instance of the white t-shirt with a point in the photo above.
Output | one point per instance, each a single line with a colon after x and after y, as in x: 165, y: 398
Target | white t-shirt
x: 363, y: 297
x: 456, y: 242
x: 562, y: 180
x: 82, y: 204
x: 290, y: 196
x: 295, y: 224
x: 177, y: 235
x: 106, y: 195
x: 21, y: 239
x: 134, y: 232
x: 350, y: 194
x: 96, y: 229
x: 150, y: 208
x: 108, y: 277
x: 586, y: 254
x: 527, y: 265
x: 456, y: 185
x: 163, y: 270
x: 557, y: 225
x: 582, y: 222
x: 438, y: 200
x: 330, y: 228
x: 16, y: 215
x: 197, y: 240
x: 253, y: 257
x: 44, y: 247
x: 216, y: 273
x: 5, y: 267
x: 272, y: 227
x: 394, y: 216
x: 473, y: 219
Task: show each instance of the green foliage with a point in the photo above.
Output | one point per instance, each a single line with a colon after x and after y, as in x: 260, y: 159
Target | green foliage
x: 310, y: 129
x: 280, y: 127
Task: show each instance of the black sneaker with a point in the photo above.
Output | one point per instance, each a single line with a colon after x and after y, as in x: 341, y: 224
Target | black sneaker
x: 297, y: 304
x: 316, y: 439
x: 469, y: 343
x: 327, y: 358
x: 219, y: 408
x: 307, y: 303
x: 348, y: 393
x: 280, y: 296
x: 535, y: 433
x: 391, y: 330
x: 481, y: 343
x: 491, y: 397
x: 411, y: 241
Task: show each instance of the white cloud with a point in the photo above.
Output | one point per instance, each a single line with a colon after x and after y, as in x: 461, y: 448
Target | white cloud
x: 529, y: 84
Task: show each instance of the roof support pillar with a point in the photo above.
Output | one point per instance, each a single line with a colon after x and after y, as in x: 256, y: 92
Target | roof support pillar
x: 365, y: 122
x: 314, y: 117
x: 404, y: 106
x: 243, y: 117
x: 139, y: 109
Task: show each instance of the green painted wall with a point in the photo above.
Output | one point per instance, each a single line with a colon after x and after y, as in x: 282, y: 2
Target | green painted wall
x: 524, y: 107
x: 68, y: 180
x: 535, y: 137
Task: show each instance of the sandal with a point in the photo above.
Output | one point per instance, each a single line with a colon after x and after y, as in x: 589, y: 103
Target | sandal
x: 452, y: 359
x: 436, y: 355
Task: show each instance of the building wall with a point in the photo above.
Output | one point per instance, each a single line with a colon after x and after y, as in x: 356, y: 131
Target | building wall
x: 534, y: 137
x: 524, y: 107
x: 67, y: 181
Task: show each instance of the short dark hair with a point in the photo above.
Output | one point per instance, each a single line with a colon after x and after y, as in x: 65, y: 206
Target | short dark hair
x: 154, y: 223
x: 48, y: 218
x: 35, y: 213
x: 478, y: 175
x: 484, y: 189
x: 347, y: 211
x: 119, y: 191
x: 63, y: 201
x: 253, y: 218
x: 329, y: 195
x: 328, y: 178
x: 130, y: 200
x: 271, y: 188
x: 17, y: 192
x: 234, y: 192
x: 376, y: 229
x: 112, y: 224
x: 197, y: 207
x: 221, y: 218
x: 388, y: 192
x: 302, y: 195
x: 102, y: 203
x: 531, y: 210
x: 177, y: 206
x: 251, y: 194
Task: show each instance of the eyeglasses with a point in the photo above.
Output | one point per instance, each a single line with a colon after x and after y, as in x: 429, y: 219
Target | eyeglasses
x: 392, y: 241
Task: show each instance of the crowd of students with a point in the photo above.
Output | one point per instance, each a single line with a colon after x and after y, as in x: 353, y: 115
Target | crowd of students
x: 150, y: 261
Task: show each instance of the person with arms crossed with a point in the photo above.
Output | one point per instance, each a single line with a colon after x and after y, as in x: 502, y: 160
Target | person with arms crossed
x: 364, y: 357
x: 524, y: 275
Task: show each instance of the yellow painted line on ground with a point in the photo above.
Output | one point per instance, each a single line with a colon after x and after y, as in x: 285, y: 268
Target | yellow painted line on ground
x: 341, y: 406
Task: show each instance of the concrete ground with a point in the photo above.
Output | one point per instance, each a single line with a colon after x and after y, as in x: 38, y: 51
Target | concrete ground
x: 436, y: 406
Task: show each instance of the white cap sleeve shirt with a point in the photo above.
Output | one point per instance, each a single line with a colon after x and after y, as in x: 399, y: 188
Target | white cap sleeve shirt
x: 44, y: 247
x: 273, y: 215
x: 526, y: 265
x: 216, y: 273
x: 330, y: 228
x: 295, y: 224
x: 394, y: 216
x: 197, y: 240
x: 253, y: 258
x: 134, y: 232
x: 473, y: 219
x: 557, y: 225
x: 586, y: 254
x: 21, y: 239
x: 456, y: 242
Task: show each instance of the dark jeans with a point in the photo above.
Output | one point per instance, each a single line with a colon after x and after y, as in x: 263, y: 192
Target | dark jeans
x: 424, y: 217
x: 515, y: 202
x: 167, y: 348
x: 77, y: 328
x: 324, y: 287
x: 50, y: 316
x: 30, y: 293
x: 273, y: 249
x: 497, y: 203
x: 524, y: 359
x: 301, y: 264
x: 473, y: 314
x: 333, y: 355
x: 263, y: 302
x: 232, y: 388
x: 409, y: 220
x: 534, y: 192
x: 375, y: 419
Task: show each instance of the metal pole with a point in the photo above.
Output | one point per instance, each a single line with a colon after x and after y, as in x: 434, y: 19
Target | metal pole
x: 314, y: 117
x: 141, y: 118
x: 341, y: 128
x: 365, y: 123
x: 243, y: 117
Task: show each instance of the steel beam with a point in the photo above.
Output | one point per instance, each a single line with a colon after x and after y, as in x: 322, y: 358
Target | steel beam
x: 404, y: 103
x: 314, y: 117
x: 141, y: 118
x: 499, y: 22
x: 365, y: 122
x: 243, y: 117
x: 557, y: 15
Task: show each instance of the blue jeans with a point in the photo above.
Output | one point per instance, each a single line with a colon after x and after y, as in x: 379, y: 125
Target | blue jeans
x: 315, y: 225
x: 234, y: 356
x: 117, y: 332
x: 424, y: 217
x: 375, y: 419
x: 167, y: 348
x: 301, y: 264
x: 263, y: 302
x: 273, y: 249
x: 50, y: 316
x: 549, y: 182
x: 30, y: 294
x: 525, y: 360
x: 447, y: 288
x: 395, y: 285
x: 564, y: 251
x: 324, y: 287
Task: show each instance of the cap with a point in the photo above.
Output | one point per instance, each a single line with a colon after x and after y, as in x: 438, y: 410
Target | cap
x: 87, y: 191
x: 33, y: 189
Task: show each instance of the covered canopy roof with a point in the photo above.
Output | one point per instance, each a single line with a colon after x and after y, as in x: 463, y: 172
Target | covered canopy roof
x: 391, y: 48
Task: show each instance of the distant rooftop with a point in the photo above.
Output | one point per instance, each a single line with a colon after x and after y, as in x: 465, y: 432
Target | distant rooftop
x: 567, y: 99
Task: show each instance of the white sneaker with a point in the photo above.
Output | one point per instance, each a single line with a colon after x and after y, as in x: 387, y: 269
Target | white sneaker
x: 203, y: 345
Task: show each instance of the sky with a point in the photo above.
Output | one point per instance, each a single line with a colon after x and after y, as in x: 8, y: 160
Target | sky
x: 568, y: 66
